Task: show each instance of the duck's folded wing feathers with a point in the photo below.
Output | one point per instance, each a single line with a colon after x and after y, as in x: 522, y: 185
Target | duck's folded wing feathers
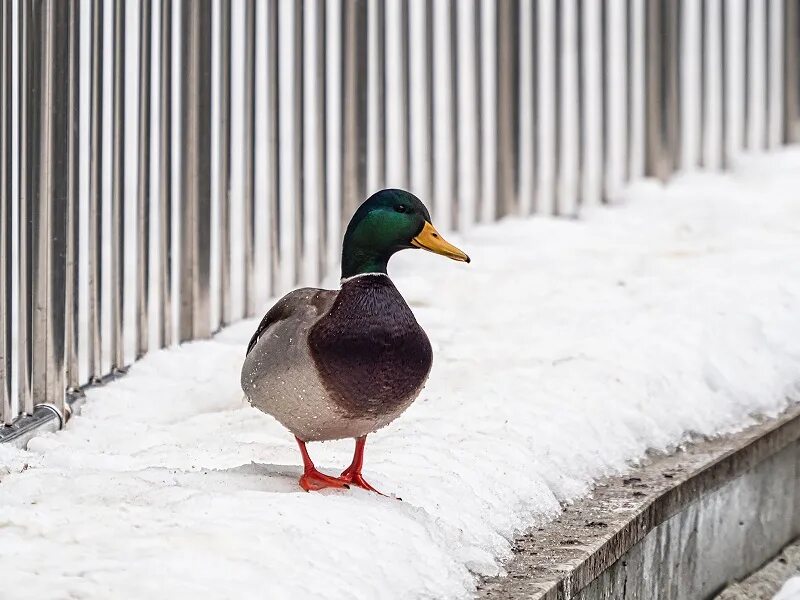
x: 293, y: 304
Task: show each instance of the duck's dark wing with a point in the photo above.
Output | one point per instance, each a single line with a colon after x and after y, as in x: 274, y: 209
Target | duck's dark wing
x: 299, y: 304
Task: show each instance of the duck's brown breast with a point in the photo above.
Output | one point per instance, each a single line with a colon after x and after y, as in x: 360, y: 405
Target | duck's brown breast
x: 371, y: 354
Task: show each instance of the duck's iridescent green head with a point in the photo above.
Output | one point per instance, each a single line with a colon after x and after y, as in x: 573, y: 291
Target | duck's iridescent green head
x: 388, y: 221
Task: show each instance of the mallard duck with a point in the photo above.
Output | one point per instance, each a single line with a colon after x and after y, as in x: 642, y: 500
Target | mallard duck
x: 336, y: 364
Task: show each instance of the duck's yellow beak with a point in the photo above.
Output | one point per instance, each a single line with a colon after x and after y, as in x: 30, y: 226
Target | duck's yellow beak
x: 429, y: 239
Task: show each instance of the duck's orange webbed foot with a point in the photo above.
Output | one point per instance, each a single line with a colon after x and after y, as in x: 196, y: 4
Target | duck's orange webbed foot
x: 355, y: 478
x: 313, y: 480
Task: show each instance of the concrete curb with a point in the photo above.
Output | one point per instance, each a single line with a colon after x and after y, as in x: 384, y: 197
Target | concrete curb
x: 682, y: 526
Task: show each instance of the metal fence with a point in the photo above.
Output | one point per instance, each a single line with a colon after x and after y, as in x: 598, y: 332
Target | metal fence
x: 166, y: 167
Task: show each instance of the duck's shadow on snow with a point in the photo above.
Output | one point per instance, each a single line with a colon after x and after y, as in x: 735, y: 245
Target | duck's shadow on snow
x: 254, y: 477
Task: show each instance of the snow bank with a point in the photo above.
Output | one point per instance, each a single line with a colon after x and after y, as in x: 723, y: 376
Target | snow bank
x: 562, y: 353
x: 790, y: 590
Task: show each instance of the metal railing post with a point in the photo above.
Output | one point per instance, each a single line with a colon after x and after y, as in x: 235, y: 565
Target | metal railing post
x: 56, y: 183
x: 791, y: 77
x: 662, y: 100
x: 479, y: 138
x: 507, y: 67
x: 702, y: 84
x: 377, y: 101
x: 273, y: 162
x: 320, y: 154
x: 95, y: 201
x: 747, y: 67
x: 354, y: 107
x: 165, y: 174
x: 195, y: 170
x: 224, y: 166
x: 298, y: 182
x: 248, y: 155
x: 6, y: 414
x: 558, y: 100
x: 117, y: 273
x: 429, y: 95
x: 455, y: 188
x: 723, y: 85
x: 143, y: 185
x: 24, y: 250
x: 71, y: 288
x: 33, y: 219
x: 405, y: 101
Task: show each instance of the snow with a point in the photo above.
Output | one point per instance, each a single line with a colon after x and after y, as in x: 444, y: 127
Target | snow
x: 564, y: 352
x: 790, y: 590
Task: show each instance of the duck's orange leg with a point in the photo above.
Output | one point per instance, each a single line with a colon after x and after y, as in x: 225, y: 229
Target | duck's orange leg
x: 352, y: 474
x: 311, y: 479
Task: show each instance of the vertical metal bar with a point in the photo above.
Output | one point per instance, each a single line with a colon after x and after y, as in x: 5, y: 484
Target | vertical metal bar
x: 143, y: 185
x: 702, y: 87
x: 558, y: 68
x: 580, y: 29
x: 56, y: 164
x: 605, y: 105
x: 43, y: 223
x: 36, y: 214
x: 674, y: 19
x: 535, y: 115
x: 248, y: 155
x: 748, y: 73
x: 455, y: 198
x: 28, y: 118
x: 6, y: 415
x: 430, y: 154
x: 507, y: 66
x: 768, y: 58
x: 723, y: 66
x: 405, y: 101
x: 322, y: 140
x: 95, y: 233
x: 71, y: 290
x: 380, y: 90
x: 479, y: 110
x: 195, y: 175
x: 224, y: 177
x: 654, y: 93
x: 164, y: 173
x: 630, y: 81
x: 297, y: 142
x: 117, y: 274
x: 791, y: 73
x: 768, y: 78
x: 661, y: 88
x: 273, y: 182
x: 354, y: 107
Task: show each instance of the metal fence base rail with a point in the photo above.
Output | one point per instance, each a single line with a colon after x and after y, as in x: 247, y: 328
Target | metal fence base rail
x: 681, y: 527
x: 48, y: 417
x: 45, y: 417
x: 482, y: 108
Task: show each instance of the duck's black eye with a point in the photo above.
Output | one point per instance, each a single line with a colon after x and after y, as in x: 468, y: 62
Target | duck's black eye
x: 401, y: 208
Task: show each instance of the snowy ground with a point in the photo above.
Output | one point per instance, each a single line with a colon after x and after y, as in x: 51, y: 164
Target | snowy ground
x: 790, y: 590
x: 562, y: 353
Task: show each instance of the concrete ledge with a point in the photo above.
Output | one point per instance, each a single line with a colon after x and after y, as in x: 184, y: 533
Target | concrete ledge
x: 681, y: 526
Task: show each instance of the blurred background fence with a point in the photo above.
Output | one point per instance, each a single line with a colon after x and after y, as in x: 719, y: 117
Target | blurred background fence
x: 166, y: 167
